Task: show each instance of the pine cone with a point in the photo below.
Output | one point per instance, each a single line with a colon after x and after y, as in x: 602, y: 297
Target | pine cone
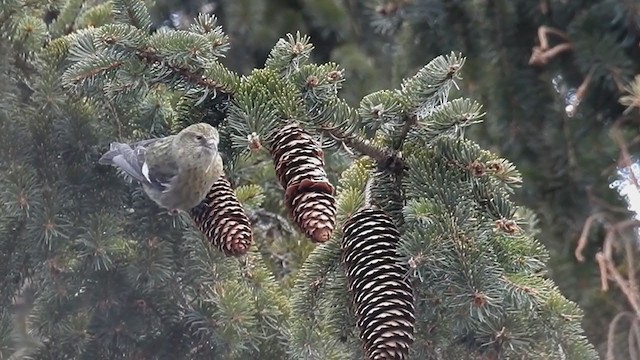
x: 299, y: 164
x: 222, y: 220
x: 383, y: 299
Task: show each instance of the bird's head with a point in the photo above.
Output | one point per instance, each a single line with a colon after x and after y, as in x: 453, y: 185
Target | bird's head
x: 199, y: 135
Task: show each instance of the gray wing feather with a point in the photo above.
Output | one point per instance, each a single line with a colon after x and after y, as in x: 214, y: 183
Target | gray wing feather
x: 125, y: 158
x: 130, y: 159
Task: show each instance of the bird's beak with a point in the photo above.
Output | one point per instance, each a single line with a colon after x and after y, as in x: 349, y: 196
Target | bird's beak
x: 212, y: 144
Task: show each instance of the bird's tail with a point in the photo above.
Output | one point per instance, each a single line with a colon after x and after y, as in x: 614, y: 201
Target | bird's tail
x: 123, y: 157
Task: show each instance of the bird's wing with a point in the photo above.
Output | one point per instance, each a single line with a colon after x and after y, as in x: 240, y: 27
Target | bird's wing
x: 158, y: 171
x: 132, y: 160
x: 159, y: 176
x: 125, y: 158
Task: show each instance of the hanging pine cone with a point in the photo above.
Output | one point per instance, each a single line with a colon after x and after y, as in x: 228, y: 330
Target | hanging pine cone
x: 299, y: 164
x: 222, y: 220
x: 382, y: 297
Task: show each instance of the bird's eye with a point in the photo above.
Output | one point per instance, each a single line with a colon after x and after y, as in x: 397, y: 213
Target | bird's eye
x: 199, y: 137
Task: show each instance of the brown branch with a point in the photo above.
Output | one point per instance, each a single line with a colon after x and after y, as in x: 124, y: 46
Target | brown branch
x: 603, y: 204
x: 409, y: 122
x: 625, y: 156
x: 612, y: 332
x: 635, y: 332
x: 624, y: 287
x: 620, y: 237
x: 387, y: 159
x: 582, y: 240
x: 148, y: 55
x: 581, y: 92
x: 582, y: 89
x: 602, y: 266
x: 541, y: 55
x: 628, y: 248
x: 611, y: 232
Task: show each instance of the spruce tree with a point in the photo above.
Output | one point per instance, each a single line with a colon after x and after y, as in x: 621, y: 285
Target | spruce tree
x: 415, y: 251
x: 557, y: 73
x: 550, y: 73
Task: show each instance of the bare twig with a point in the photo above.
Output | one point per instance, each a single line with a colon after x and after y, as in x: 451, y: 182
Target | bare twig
x: 600, y: 203
x: 628, y: 249
x: 621, y: 236
x: 624, y: 286
x: 608, y: 268
x: 604, y: 284
x: 582, y: 241
x: 612, y: 332
x: 635, y: 330
x: 541, y: 55
x: 584, y: 86
x: 625, y: 157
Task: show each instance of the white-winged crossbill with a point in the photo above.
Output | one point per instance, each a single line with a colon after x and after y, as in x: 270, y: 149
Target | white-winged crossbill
x: 175, y: 171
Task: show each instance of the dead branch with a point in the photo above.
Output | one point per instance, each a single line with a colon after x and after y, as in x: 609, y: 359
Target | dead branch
x: 542, y: 54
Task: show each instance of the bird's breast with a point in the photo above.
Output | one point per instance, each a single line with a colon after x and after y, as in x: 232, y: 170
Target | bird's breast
x: 199, y: 176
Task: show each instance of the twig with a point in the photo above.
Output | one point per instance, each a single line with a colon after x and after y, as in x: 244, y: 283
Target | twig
x: 610, y: 237
x: 607, y: 267
x: 409, y: 121
x: 633, y: 354
x: 635, y: 330
x: 625, y: 157
x: 612, y: 332
x: 540, y: 55
x: 602, y: 266
x: 628, y: 249
x: 387, y: 159
x: 582, y: 241
x: 603, y: 204
x: 114, y: 65
x: 582, y: 89
x: 609, y: 270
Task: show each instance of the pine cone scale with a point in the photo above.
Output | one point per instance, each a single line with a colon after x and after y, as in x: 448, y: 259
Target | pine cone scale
x: 383, y: 299
x: 222, y: 220
x: 299, y: 166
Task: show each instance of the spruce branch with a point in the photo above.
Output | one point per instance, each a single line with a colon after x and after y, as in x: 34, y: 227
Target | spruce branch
x: 97, y: 70
x: 132, y: 12
x: 409, y: 122
x: 149, y: 55
x: 387, y: 159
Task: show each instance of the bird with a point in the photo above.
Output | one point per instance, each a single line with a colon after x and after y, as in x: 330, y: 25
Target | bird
x: 175, y: 171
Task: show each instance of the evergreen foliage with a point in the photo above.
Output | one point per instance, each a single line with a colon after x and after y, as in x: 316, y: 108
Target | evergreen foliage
x: 554, y: 107
x: 93, y: 270
x: 550, y: 74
